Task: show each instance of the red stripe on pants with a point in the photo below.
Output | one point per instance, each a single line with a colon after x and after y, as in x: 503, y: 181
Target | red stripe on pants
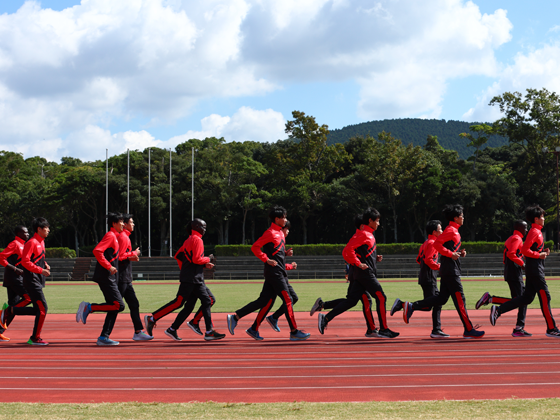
x: 23, y: 302
x: 289, y: 309
x: 105, y: 308
x: 463, y: 311
x: 41, y: 321
x: 260, y: 316
x: 546, y: 310
x: 367, y: 312
x: 174, y: 304
x: 382, y: 310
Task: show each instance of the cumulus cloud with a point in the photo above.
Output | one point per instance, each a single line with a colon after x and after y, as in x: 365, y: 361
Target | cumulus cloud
x: 536, y: 69
x: 245, y: 124
x: 71, y: 74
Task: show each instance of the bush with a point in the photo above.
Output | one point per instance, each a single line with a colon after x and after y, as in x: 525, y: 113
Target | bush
x: 383, y: 249
x: 60, y: 253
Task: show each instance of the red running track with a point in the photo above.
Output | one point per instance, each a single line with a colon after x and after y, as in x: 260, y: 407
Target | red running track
x: 341, y: 365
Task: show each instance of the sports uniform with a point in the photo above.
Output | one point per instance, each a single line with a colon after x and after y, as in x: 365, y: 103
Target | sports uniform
x: 13, y: 282
x: 535, y: 282
x: 107, y: 255
x: 427, y: 278
x: 450, y: 284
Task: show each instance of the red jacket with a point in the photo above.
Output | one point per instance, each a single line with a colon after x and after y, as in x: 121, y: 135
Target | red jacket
x: 125, y: 251
x: 107, y: 255
x: 362, y: 248
x: 428, y: 260
x: 272, y: 243
x: 446, y: 244
x: 513, y: 258
x: 533, y: 246
x: 33, y: 260
x: 12, y: 255
x: 191, y: 259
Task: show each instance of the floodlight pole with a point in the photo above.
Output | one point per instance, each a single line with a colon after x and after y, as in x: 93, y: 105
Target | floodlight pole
x: 128, y: 181
x: 106, y: 189
x: 149, y: 204
x: 170, y: 209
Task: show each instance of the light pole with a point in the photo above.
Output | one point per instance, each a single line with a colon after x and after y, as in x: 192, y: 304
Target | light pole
x: 556, y: 152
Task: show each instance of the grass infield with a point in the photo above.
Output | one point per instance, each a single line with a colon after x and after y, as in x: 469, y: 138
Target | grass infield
x: 465, y: 410
x: 64, y: 297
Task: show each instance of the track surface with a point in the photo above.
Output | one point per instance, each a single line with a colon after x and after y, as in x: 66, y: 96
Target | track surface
x: 341, y: 365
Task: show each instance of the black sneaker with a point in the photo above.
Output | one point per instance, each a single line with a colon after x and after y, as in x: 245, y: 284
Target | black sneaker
x: 387, y: 333
x: 195, y: 328
x: 254, y: 334
x: 397, y: 306
x: 473, y: 334
x: 553, y: 333
x: 322, y: 323
x: 438, y: 334
x: 317, y: 306
x: 372, y: 333
x: 520, y: 332
x: 484, y: 300
x: 408, y: 311
x: 150, y: 324
x: 173, y: 334
x: 213, y: 335
x: 494, y: 315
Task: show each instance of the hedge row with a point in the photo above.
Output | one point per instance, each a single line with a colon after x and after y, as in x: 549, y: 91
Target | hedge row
x: 383, y: 249
x: 57, y: 253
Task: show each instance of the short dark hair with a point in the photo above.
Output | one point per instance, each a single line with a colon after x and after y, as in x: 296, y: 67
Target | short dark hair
x: 358, y: 221
x: 532, y: 212
x: 19, y: 229
x: 431, y: 226
x: 370, y: 213
x: 277, y: 211
x: 114, y: 218
x: 519, y: 224
x: 126, y: 217
x: 288, y: 225
x: 451, y: 211
x: 39, y: 222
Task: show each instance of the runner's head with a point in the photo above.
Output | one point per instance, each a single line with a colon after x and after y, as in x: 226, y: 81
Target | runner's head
x: 520, y: 226
x: 41, y: 226
x: 198, y: 225
x: 432, y: 227
x: 535, y: 214
x: 21, y: 232
x: 115, y: 220
x: 453, y: 213
x: 277, y: 215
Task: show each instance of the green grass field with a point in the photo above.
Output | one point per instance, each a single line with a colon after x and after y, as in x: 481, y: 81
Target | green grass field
x: 231, y: 295
x: 65, y: 297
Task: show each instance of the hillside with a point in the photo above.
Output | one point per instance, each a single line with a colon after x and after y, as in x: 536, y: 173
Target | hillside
x: 415, y: 131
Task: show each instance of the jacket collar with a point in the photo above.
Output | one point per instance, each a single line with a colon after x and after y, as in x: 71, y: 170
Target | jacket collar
x: 38, y: 237
x: 195, y: 233
x: 516, y: 232
x: 126, y: 232
x: 536, y: 226
x: 274, y: 226
x: 455, y: 225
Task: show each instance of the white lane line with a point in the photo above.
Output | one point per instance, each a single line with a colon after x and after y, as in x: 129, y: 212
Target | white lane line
x: 384, y: 375
x: 307, y: 388
x: 284, y: 367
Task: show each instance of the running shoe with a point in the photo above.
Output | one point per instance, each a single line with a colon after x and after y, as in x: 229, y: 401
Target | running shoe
x: 37, y: 342
x: 473, y: 334
x: 553, y: 333
x: 408, y: 311
x: 83, y: 311
x: 438, y: 334
x: 3, y: 318
x: 322, y: 323
x: 372, y: 334
x: 142, y: 336
x: 231, y: 324
x: 317, y: 306
x: 173, y: 334
x: 4, y: 338
x: 494, y: 315
x: 150, y: 324
x: 273, y: 322
x: 106, y: 341
x: 5, y: 305
x: 254, y: 334
x: 520, y: 332
x: 387, y: 333
x: 397, y: 306
x: 484, y: 300
x: 213, y: 335
x: 299, y: 335
x: 195, y: 328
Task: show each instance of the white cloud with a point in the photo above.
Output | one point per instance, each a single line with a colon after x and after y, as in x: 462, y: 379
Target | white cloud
x: 245, y: 124
x: 534, y: 70
x: 71, y: 74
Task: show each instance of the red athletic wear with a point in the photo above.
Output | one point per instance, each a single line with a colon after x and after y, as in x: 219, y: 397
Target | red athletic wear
x: 446, y: 244
x: 12, y: 255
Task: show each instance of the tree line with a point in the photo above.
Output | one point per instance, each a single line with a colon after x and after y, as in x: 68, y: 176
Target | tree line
x: 322, y: 185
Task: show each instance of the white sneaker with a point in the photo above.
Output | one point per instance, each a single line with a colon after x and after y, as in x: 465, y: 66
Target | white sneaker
x: 141, y: 336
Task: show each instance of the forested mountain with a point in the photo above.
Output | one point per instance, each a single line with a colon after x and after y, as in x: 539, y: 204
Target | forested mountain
x: 415, y: 131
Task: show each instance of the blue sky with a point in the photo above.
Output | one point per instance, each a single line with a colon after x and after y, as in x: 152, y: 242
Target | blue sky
x: 85, y: 76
